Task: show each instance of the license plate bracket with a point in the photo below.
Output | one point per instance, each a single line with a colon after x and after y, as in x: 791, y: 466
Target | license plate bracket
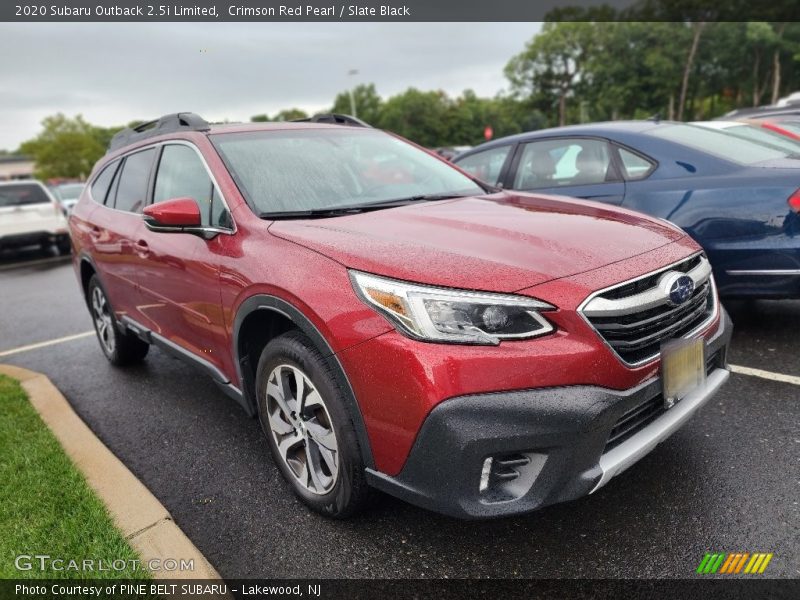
x: 683, y: 368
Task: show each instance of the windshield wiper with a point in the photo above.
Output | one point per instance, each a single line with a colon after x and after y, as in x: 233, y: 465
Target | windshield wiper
x: 410, y: 199
x: 354, y: 208
x: 311, y: 213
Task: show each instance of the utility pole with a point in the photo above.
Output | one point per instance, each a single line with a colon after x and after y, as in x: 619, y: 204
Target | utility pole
x: 352, y: 72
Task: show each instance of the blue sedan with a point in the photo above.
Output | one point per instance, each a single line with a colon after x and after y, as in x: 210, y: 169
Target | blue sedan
x: 739, y: 199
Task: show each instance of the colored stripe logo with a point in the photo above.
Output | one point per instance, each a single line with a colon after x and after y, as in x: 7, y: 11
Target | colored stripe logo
x: 734, y: 563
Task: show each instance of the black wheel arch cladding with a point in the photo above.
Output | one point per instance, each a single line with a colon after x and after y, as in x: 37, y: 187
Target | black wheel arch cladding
x: 304, y: 324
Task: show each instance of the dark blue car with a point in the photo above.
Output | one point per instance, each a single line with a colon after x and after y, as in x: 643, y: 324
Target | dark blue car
x: 737, y: 198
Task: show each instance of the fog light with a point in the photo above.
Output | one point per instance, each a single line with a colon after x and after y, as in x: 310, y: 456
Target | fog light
x: 486, y: 472
x: 506, y: 477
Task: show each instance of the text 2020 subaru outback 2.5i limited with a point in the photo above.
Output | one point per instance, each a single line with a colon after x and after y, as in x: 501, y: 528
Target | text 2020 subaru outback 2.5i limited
x: 394, y: 323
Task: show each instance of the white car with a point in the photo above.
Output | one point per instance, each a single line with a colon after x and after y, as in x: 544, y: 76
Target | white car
x: 67, y: 194
x: 30, y: 215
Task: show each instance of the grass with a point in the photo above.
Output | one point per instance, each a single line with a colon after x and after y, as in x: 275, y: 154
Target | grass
x: 46, y: 507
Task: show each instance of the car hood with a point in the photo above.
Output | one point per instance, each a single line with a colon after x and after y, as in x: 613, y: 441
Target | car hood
x: 501, y: 242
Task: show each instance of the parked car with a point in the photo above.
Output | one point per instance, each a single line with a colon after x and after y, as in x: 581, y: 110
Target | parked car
x: 30, y: 216
x: 67, y: 194
x: 473, y: 351
x: 755, y: 132
x: 737, y: 198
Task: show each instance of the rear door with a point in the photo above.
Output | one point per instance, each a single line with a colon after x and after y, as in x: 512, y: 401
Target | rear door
x: 115, y: 230
x: 179, y: 280
x: 572, y: 166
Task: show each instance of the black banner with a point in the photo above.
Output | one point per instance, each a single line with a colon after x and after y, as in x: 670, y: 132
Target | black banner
x: 730, y: 588
x: 396, y: 10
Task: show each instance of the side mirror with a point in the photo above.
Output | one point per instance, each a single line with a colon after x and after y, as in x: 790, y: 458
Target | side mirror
x: 175, y: 215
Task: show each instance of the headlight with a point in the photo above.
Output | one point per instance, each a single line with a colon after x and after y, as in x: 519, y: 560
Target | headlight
x: 446, y: 315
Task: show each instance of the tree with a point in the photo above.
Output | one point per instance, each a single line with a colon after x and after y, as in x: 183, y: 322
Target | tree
x: 552, y: 63
x: 66, y: 147
x: 290, y: 114
x: 418, y: 116
x: 287, y: 114
x: 697, y: 32
x: 367, y: 102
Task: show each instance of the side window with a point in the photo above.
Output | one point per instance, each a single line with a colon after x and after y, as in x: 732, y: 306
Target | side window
x: 486, y: 165
x: 132, y: 182
x: 635, y: 166
x: 181, y: 174
x: 565, y: 162
x: 103, y: 182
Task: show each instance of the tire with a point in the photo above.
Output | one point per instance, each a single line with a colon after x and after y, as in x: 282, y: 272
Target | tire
x: 317, y: 431
x: 121, y: 348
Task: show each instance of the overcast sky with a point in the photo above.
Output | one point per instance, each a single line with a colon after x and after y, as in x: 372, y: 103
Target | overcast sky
x: 113, y: 73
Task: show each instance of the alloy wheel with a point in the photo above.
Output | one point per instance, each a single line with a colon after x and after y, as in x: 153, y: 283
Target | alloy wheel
x: 302, y: 429
x: 103, y: 321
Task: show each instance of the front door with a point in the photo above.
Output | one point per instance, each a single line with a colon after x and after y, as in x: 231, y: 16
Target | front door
x: 179, y: 281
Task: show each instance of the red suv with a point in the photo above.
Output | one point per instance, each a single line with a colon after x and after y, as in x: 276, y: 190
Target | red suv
x: 392, y: 322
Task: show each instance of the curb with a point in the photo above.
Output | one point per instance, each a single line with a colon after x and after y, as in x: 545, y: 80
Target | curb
x: 143, y: 520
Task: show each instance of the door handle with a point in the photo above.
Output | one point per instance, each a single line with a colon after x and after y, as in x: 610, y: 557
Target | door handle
x: 142, y: 248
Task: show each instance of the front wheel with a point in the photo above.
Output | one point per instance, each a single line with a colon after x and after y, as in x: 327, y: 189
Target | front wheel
x: 308, y: 427
x: 120, y: 348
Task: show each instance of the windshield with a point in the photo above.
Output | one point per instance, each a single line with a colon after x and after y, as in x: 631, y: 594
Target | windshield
x: 323, y: 169
x: 719, y: 143
x: 70, y: 191
x: 22, y: 193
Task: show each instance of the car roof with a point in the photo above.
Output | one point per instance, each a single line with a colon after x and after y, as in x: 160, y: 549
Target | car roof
x: 188, y: 122
x: 267, y: 126
x: 23, y: 182
x: 601, y: 129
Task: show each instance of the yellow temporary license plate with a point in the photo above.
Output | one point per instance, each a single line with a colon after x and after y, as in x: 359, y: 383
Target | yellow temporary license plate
x: 683, y: 368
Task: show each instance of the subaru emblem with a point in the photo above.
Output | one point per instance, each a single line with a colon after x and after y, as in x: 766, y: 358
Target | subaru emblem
x: 680, y: 289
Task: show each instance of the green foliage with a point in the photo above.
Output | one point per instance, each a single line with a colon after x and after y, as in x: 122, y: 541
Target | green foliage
x: 67, y: 147
x: 577, y: 71
x: 46, y: 507
x: 368, y: 103
x: 287, y: 114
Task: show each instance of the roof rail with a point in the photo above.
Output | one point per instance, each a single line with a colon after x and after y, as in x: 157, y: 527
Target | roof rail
x: 334, y: 119
x: 185, y: 121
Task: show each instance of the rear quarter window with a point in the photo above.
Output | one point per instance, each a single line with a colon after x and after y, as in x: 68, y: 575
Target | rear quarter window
x: 132, y: 185
x: 102, y: 182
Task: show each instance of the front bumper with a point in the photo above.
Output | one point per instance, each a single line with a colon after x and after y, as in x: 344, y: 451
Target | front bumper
x: 33, y: 238
x: 555, y: 439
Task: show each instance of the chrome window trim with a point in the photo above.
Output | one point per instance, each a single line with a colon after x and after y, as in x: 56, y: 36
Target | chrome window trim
x: 692, y: 333
x: 158, y: 146
x: 764, y: 272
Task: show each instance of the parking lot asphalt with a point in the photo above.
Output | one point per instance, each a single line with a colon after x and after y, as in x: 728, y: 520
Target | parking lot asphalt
x: 729, y: 481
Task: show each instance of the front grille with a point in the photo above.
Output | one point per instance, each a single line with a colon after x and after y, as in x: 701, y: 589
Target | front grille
x: 641, y: 415
x: 634, y: 318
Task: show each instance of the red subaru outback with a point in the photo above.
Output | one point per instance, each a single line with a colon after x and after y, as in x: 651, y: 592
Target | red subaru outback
x: 394, y: 323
